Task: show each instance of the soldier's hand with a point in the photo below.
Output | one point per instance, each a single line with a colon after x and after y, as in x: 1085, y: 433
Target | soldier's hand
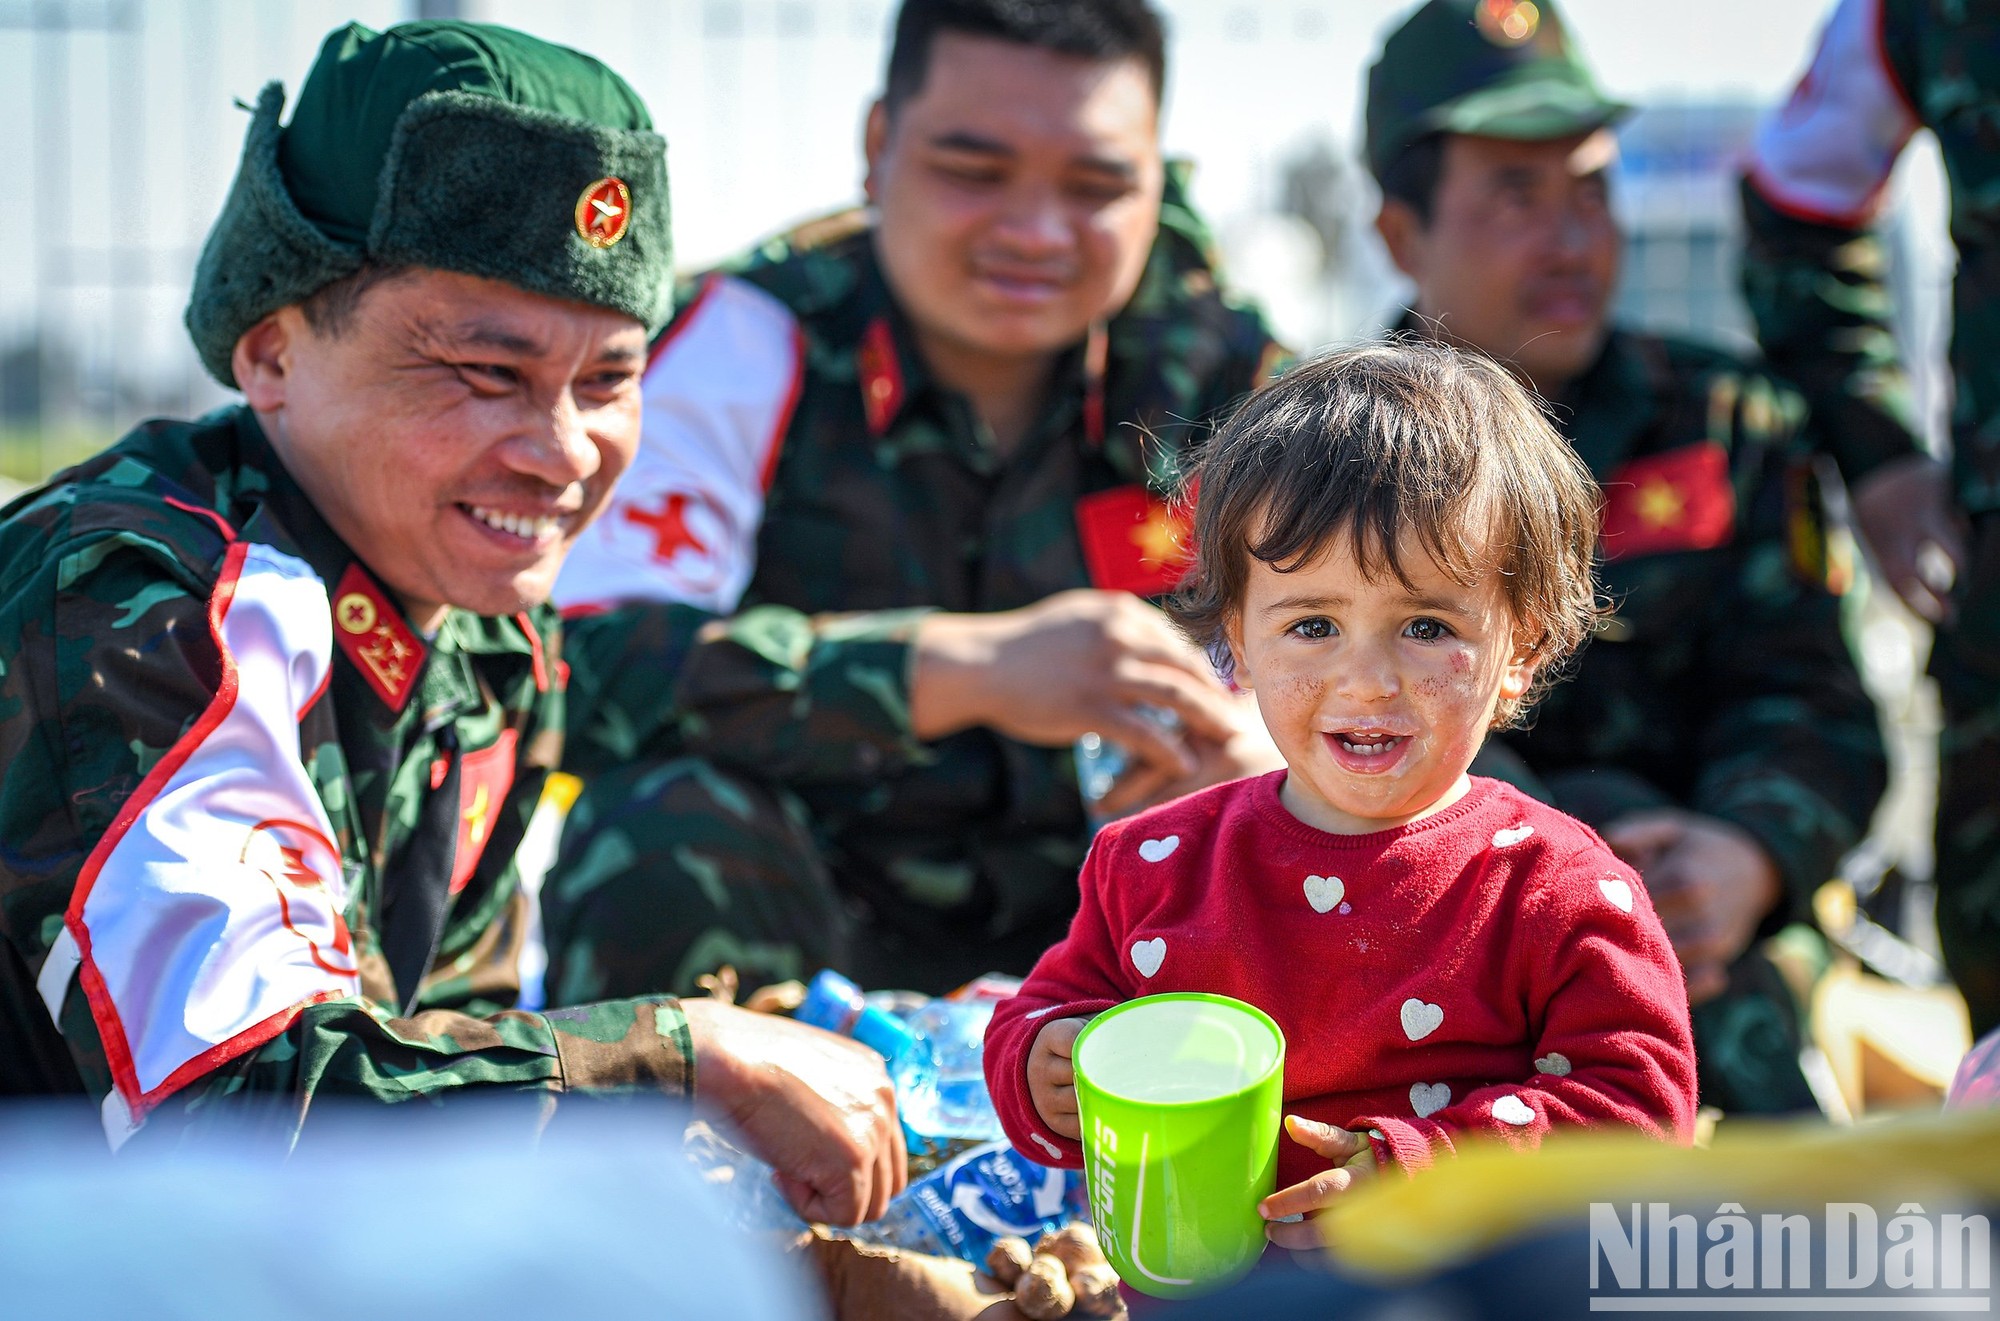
x: 1247, y: 751
x: 1711, y: 882
x: 816, y: 1107
x: 1904, y: 510
x: 1075, y: 663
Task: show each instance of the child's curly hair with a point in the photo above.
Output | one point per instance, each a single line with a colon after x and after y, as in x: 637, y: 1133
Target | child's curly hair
x: 1401, y: 437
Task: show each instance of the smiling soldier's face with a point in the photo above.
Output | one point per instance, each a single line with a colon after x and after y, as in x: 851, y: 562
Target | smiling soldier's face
x: 1017, y: 193
x: 457, y: 432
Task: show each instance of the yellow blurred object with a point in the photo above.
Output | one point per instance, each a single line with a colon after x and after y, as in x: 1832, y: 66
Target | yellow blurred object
x: 1891, y: 1047
x: 559, y: 793
x: 1393, y: 1229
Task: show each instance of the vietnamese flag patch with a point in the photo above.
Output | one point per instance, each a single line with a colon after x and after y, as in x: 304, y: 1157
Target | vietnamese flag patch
x: 1679, y: 500
x: 484, y: 779
x: 1133, y: 541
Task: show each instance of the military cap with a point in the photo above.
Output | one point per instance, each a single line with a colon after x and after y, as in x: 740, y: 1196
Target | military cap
x: 451, y: 145
x: 1495, y: 68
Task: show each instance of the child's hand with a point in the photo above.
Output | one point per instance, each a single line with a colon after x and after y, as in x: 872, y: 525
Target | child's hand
x: 1052, y: 1078
x: 1353, y: 1159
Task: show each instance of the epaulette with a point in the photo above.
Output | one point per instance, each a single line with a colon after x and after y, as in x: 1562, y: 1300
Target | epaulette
x: 821, y: 231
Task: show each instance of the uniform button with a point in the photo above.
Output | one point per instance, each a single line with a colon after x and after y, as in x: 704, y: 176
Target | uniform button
x: 868, y: 758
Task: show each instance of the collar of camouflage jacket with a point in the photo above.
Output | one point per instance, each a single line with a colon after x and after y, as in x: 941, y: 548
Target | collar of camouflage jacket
x: 399, y: 670
x: 1604, y: 412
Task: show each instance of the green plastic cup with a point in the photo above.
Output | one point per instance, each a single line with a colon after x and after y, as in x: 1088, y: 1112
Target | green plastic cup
x: 1179, y: 1097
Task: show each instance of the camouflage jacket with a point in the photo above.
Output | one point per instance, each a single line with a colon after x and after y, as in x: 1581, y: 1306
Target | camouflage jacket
x: 1814, y: 267
x: 1721, y: 682
x: 798, y: 453
x: 226, y: 759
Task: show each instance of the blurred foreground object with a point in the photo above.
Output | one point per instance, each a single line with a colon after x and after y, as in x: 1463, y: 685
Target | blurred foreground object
x: 599, y: 1218
x: 1778, y: 1217
x: 1976, y: 1085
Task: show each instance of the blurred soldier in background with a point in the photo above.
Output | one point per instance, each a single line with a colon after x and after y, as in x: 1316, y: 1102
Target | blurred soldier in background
x: 1715, y: 730
x: 1814, y: 275
x: 956, y: 414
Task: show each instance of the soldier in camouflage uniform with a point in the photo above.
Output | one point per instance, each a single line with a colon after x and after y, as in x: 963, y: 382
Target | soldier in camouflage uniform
x: 1715, y: 730
x: 1814, y: 274
x: 281, y: 686
x: 841, y: 421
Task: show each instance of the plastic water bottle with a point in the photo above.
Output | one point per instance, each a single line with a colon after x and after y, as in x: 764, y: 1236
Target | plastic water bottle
x: 935, y: 1061
x: 988, y: 1193
x: 1099, y: 761
x: 836, y: 1004
x: 941, y: 1079
x: 957, y: 1210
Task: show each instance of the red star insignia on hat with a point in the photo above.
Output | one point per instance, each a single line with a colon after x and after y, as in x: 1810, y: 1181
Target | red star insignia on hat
x: 604, y: 212
x: 1507, y: 22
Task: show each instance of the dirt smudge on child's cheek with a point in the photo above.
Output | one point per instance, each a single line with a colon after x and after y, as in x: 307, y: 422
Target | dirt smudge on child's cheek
x: 1451, y: 684
x: 1306, y: 688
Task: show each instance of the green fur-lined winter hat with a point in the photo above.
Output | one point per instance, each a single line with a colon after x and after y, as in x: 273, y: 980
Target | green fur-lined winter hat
x: 459, y: 146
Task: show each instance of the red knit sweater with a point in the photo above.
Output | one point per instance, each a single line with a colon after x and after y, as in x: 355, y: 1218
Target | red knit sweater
x: 1490, y: 969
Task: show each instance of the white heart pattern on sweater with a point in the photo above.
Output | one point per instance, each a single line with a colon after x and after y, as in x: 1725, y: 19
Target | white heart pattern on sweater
x: 1553, y: 1063
x: 1420, y: 1019
x: 1618, y: 892
x: 1148, y: 955
x: 1427, y: 1098
x: 1047, y: 1145
x: 1159, y: 850
x: 1511, y: 1109
x: 1324, y: 892
x: 1511, y: 835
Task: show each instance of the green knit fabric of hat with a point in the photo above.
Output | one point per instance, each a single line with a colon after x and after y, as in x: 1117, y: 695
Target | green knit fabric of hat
x: 458, y: 146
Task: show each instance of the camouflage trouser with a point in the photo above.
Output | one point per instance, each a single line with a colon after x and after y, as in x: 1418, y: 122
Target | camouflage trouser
x: 1966, y: 664
x: 667, y: 871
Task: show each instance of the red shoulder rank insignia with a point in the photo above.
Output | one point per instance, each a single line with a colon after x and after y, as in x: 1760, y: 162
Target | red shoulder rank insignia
x: 881, y: 376
x: 1679, y: 500
x: 1133, y: 541
x: 484, y: 777
x: 370, y: 629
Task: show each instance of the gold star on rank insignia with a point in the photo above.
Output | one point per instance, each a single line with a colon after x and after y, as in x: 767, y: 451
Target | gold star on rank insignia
x: 604, y: 212
x: 1659, y: 504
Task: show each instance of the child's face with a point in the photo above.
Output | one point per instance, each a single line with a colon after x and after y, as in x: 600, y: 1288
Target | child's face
x: 1377, y: 694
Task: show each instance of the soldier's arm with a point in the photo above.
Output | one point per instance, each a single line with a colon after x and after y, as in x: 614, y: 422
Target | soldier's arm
x: 1814, y: 266
x: 794, y: 697
x: 175, y: 889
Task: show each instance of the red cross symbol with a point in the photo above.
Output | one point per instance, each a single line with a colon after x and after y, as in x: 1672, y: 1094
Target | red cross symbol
x: 669, y: 526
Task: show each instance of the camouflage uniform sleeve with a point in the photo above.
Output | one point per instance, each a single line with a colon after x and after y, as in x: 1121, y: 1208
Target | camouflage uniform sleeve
x: 1822, y: 307
x: 1814, y: 265
x: 1791, y: 749
x: 202, y: 976
x: 802, y: 699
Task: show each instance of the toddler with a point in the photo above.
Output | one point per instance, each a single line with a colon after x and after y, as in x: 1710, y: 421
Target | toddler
x: 1394, y: 549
